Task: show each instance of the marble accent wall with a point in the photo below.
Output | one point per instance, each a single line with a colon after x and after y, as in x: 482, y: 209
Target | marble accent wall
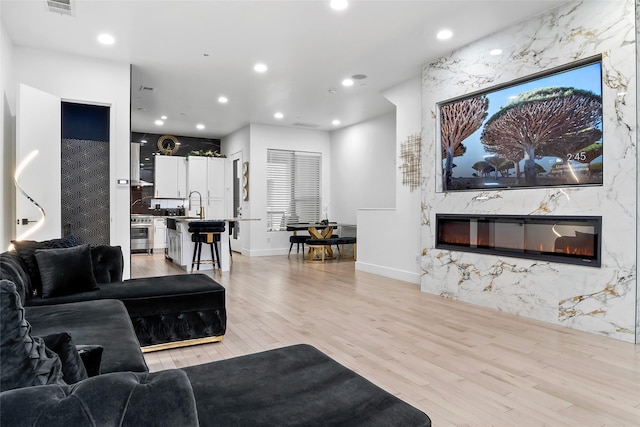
x: 603, y: 300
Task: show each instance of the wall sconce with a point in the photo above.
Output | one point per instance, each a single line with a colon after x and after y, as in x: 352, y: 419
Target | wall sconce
x: 24, y: 221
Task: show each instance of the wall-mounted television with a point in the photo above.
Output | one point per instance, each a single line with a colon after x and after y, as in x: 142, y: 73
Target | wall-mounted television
x: 541, y: 131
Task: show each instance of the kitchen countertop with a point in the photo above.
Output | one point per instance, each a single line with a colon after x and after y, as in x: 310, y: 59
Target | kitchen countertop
x: 192, y: 218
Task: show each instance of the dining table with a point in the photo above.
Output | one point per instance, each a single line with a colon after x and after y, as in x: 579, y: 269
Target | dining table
x: 316, y: 231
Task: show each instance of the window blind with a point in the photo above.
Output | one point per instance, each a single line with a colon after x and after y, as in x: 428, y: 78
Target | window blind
x: 293, y: 188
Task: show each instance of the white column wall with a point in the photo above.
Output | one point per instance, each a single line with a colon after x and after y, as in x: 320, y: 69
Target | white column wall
x: 389, y: 239
x: 363, y: 164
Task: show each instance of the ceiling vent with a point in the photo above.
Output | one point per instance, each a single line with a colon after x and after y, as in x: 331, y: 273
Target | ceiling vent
x: 144, y: 88
x: 305, y: 125
x: 63, y: 7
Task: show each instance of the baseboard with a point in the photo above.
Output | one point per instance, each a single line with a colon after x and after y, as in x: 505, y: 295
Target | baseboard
x: 183, y: 343
x: 392, y: 273
x: 269, y: 252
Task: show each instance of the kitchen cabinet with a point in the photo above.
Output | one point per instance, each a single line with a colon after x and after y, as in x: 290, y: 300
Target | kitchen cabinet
x: 207, y: 175
x: 159, y: 233
x: 170, y: 177
x: 217, y: 188
x: 197, y: 174
x: 174, y: 245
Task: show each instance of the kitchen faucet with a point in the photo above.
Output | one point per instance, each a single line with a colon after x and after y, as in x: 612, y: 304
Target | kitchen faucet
x: 201, y: 211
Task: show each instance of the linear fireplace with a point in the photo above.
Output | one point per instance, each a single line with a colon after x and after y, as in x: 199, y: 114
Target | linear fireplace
x: 565, y: 239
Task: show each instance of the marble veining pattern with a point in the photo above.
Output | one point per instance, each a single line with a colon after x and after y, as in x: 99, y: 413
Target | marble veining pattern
x: 599, y: 300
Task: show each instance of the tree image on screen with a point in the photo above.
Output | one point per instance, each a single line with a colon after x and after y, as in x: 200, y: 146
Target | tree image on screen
x: 543, y: 131
x: 557, y: 121
x: 458, y: 122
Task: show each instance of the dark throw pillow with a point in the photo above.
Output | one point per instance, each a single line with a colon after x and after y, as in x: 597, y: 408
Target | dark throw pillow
x: 26, y: 250
x: 91, y: 357
x: 26, y: 361
x: 65, y: 271
x: 73, y: 369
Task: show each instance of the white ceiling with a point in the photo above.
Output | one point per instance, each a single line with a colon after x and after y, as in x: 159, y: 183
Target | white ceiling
x: 308, y: 47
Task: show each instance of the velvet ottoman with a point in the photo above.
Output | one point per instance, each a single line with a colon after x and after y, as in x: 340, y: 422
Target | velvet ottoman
x: 163, y: 310
x: 297, y: 385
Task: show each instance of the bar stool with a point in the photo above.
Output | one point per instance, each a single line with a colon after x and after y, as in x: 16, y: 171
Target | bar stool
x: 297, y: 240
x: 207, y: 232
x: 349, y: 240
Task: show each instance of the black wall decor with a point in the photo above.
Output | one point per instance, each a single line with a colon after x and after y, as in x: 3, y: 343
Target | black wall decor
x: 150, y: 148
x: 85, y: 172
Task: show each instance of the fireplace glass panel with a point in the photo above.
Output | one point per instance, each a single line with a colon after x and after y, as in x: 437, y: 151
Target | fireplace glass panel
x: 573, y: 240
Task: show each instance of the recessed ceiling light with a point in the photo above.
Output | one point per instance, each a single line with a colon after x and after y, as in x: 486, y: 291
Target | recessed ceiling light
x: 332, y: 91
x: 200, y: 126
x: 339, y: 4
x: 163, y: 117
x: 278, y: 115
x: 144, y: 141
x: 223, y: 100
x: 444, y: 34
x: 260, y: 68
x: 359, y: 76
x: 335, y: 122
x: 106, y: 39
x: 347, y: 82
x: 159, y: 122
x: 495, y: 52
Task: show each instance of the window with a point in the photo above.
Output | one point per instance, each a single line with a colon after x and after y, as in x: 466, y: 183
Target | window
x: 293, y: 188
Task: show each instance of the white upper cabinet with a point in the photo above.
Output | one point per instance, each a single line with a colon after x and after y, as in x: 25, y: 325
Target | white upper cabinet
x: 197, y: 175
x: 216, y: 177
x: 170, y: 177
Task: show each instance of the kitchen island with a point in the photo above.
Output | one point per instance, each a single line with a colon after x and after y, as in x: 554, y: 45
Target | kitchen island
x: 180, y: 247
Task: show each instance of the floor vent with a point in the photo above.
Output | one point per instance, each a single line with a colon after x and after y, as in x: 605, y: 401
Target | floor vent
x: 63, y: 7
x: 305, y: 125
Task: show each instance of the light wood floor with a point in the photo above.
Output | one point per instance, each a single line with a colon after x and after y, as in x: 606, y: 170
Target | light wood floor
x: 462, y: 365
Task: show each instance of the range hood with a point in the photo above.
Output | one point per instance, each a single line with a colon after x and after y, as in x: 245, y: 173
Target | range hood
x: 135, y: 167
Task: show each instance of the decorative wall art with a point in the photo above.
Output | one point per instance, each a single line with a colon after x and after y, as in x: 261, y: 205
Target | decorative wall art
x: 411, y: 157
x: 245, y: 181
x: 85, y: 190
x: 168, y: 145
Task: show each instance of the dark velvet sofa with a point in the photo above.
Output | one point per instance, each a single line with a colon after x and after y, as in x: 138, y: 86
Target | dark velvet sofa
x: 80, y: 363
x: 168, y: 311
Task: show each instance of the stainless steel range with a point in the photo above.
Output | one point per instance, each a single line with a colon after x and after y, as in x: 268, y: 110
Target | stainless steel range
x: 142, y: 233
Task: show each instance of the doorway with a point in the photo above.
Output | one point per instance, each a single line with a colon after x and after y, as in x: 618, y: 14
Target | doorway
x: 84, y: 153
x: 236, y: 192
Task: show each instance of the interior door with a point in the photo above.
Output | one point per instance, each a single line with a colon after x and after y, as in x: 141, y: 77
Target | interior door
x: 235, y: 162
x: 38, y: 135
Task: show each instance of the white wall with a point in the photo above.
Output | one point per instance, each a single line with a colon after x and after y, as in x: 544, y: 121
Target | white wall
x: 263, y: 137
x: 389, y: 239
x: 363, y: 164
x: 7, y: 120
x: 638, y: 164
x: 90, y: 81
x: 599, y: 300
